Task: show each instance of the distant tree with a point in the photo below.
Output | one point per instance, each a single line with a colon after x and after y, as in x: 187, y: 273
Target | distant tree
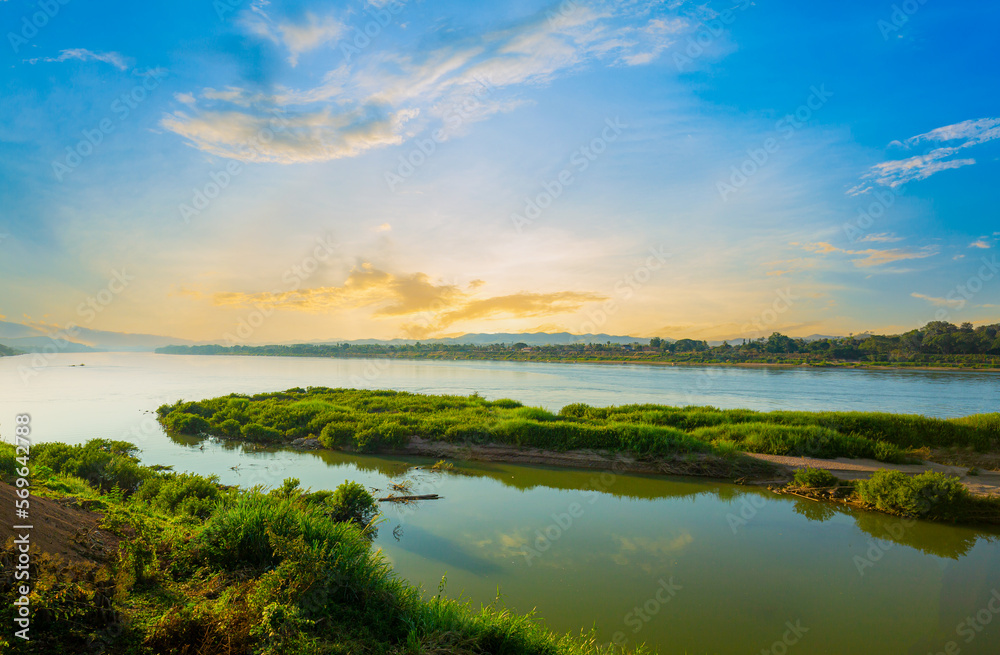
x: 690, y: 345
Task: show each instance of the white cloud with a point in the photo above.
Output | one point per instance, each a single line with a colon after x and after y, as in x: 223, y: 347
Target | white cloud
x: 973, y: 132
x: 287, y: 138
x: 115, y: 59
x: 469, y: 79
x: 297, y: 38
x: 895, y: 173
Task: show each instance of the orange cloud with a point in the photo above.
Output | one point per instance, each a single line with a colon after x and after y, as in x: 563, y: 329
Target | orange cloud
x: 435, y: 306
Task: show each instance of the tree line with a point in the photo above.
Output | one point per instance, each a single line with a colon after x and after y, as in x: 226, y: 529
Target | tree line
x: 936, y: 341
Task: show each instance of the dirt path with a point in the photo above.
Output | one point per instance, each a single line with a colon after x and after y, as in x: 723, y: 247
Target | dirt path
x: 987, y: 483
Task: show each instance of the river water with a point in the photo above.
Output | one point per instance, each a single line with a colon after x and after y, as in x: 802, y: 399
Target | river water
x: 683, y: 565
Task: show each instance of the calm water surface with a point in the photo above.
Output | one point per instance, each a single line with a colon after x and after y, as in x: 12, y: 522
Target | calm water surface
x: 685, y: 566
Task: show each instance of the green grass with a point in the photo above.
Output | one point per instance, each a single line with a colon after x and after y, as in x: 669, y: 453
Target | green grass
x: 368, y: 420
x: 281, y: 572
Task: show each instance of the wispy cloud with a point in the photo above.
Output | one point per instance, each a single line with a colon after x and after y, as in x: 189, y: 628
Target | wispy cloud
x: 259, y: 136
x: 884, y: 237
x: 386, y: 97
x: 117, y: 60
x: 872, y: 256
x: 897, y: 172
x: 940, y: 302
x: 312, y: 32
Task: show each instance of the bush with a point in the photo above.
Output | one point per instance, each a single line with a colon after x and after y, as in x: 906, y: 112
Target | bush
x: 103, y: 463
x: 929, y: 494
x: 258, y: 432
x: 505, y: 403
x: 812, y: 477
x: 230, y: 428
x: 388, y: 433
x: 337, y: 433
x: 184, y: 423
x: 351, y: 502
x: 181, y: 493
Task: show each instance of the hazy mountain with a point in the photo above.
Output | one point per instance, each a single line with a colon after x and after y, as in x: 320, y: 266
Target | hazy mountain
x: 31, y: 339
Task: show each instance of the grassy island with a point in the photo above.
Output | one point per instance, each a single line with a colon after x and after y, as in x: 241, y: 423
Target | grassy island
x: 690, y: 440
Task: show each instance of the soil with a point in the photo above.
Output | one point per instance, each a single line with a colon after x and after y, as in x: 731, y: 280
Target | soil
x: 60, y: 527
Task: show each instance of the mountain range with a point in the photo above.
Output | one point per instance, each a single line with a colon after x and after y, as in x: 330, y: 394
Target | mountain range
x: 29, y: 338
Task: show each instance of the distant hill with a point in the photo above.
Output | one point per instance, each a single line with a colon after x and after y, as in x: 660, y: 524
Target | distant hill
x: 45, y: 344
x: 6, y: 351
x: 30, y: 339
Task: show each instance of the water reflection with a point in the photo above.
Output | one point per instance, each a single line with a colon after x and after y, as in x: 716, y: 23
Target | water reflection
x: 426, y: 544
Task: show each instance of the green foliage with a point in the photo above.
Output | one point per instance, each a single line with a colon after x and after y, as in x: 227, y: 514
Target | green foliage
x: 819, y: 478
x: 929, y: 494
x: 8, y: 462
x: 185, y: 423
x: 103, y: 463
x: 185, y: 494
x: 352, y: 503
x: 260, y: 433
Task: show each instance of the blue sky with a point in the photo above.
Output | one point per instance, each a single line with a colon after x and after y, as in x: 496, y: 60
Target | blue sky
x: 488, y: 167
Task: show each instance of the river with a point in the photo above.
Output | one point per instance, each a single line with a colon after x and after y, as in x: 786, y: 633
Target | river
x: 684, y: 565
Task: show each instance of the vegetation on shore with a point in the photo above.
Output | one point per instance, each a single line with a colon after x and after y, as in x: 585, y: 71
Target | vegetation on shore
x: 7, y: 351
x: 938, y: 344
x: 202, y: 568
x: 929, y: 495
x: 382, y: 420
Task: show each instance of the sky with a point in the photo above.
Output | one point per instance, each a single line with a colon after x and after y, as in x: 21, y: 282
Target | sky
x: 270, y: 172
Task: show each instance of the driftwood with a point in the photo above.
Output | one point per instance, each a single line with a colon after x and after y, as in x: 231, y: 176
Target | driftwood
x: 405, y: 499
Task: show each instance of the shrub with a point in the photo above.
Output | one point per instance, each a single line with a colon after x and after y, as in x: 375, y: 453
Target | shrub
x: 337, y: 433
x: 103, y: 463
x: 258, y: 432
x: 230, y: 428
x: 181, y: 493
x: 184, y: 423
x: 929, y: 494
x: 505, y: 403
x: 351, y: 502
x: 813, y: 477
